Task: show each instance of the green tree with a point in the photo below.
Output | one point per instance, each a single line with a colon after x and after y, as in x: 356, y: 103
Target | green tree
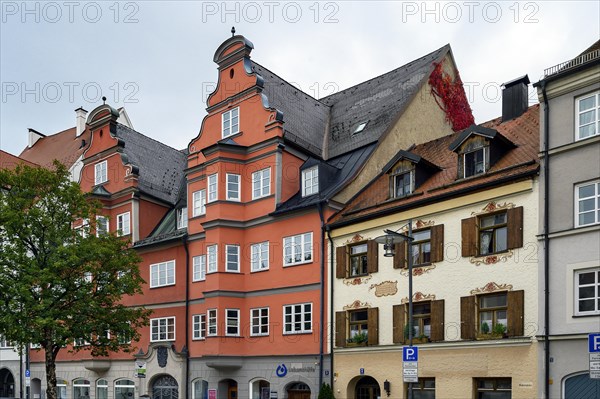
x: 58, y: 284
x: 326, y: 392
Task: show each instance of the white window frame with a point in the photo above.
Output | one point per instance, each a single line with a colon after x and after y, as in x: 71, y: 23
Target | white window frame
x: 124, y: 224
x: 104, y: 220
x: 293, y: 313
x: 258, y: 183
x: 596, y: 284
x: 288, y: 242
x: 596, y: 197
x: 578, y: 112
x: 212, y: 322
x: 256, y: 321
x: 235, y: 319
x: 199, y: 203
x: 308, y: 175
x: 199, y: 268
x: 182, y: 218
x: 227, y: 115
x: 212, y: 182
x: 199, y: 326
x: 464, y: 161
x: 257, y: 256
x: 235, y: 251
x: 212, y: 265
x: 156, y: 323
x: 101, y: 172
x: 155, y: 268
x: 238, y: 194
x: 4, y: 344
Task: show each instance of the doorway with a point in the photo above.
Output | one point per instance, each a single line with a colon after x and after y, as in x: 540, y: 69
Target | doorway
x: 367, y: 388
x: 298, y: 390
x: 165, y: 387
x: 7, y: 384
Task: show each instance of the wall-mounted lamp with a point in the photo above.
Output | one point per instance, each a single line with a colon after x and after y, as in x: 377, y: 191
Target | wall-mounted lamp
x: 389, y: 241
x: 386, y: 387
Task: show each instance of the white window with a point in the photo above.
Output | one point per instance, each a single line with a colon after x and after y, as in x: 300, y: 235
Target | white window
x: 84, y: 228
x: 233, y: 187
x: 123, y: 224
x: 162, y: 329
x: 199, y: 326
x: 360, y: 127
x: 310, y: 181
x: 101, y: 389
x: 101, y: 225
x: 182, y: 218
x: 162, y: 274
x: 4, y: 343
x: 231, y: 122
x: 587, y: 203
x: 213, y: 187
x: 199, y: 200
x: 212, y: 322
x: 124, y: 389
x: 297, y: 319
x: 259, y: 256
x: 211, y: 251
x: 588, y: 116
x: 232, y: 253
x: 261, y: 183
x: 101, y: 174
x: 233, y: 322
x: 587, y: 292
x: 199, y: 272
x: 259, y: 321
x: 297, y: 249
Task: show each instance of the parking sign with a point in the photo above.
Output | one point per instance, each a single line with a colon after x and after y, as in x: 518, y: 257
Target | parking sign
x: 410, y: 354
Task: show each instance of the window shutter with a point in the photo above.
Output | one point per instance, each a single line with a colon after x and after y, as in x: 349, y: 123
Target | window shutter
x: 516, y: 306
x: 373, y: 326
x: 340, y: 329
x: 437, y: 243
x: 467, y: 317
x: 469, y: 237
x: 400, y: 255
x: 514, y: 220
x: 340, y: 258
x: 372, y: 256
x: 399, y: 319
x: 437, y: 320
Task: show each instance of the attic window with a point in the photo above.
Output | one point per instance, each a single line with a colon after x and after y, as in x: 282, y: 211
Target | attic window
x: 310, y: 181
x: 360, y: 127
x: 182, y: 218
x: 474, y: 158
x: 402, y: 179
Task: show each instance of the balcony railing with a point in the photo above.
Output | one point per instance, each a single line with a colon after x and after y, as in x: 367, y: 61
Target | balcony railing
x: 575, y: 62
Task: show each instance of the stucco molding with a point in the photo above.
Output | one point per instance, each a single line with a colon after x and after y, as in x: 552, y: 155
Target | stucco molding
x: 493, y: 206
x: 357, y: 280
x: 355, y: 238
x: 491, y: 259
x: 419, y: 297
x: 418, y: 271
x: 492, y: 287
x: 385, y: 288
x: 357, y: 305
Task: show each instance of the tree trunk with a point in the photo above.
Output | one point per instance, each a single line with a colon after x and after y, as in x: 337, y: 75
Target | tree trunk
x: 51, y: 373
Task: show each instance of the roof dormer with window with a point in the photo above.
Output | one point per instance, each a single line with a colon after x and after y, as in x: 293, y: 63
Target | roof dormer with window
x: 407, y: 172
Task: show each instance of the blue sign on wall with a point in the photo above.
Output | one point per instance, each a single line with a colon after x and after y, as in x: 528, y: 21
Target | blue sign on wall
x: 594, y: 343
x: 410, y: 354
x: 281, y: 370
x: 362, y: 371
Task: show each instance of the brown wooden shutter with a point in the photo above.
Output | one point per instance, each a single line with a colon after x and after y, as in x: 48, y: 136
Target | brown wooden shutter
x: 373, y: 326
x: 469, y: 237
x: 468, y: 326
x: 340, y: 259
x: 340, y: 329
x: 514, y: 221
x: 437, y: 243
x: 399, y: 320
x: 516, y: 304
x: 437, y: 320
x: 400, y: 255
x: 372, y: 256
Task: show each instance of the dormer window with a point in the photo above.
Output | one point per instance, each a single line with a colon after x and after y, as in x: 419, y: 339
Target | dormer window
x: 310, y: 181
x: 474, y: 162
x: 360, y: 127
x: 231, y: 122
x: 182, y: 218
x: 402, y: 179
x: 473, y: 158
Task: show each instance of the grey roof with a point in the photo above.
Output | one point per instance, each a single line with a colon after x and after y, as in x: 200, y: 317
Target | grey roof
x: 165, y: 231
x: 304, y: 117
x: 160, y: 167
x: 378, y: 101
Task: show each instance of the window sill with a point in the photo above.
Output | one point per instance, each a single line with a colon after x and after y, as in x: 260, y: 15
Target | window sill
x: 259, y: 335
x: 261, y: 197
x: 260, y: 270
x: 198, y: 339
x: 579, y: 316
x: 298, y: 333
x: 162, y: 340
x: 199, y: 281
x: 298, y: 264
x: 230, y: 136
x: 162, y: 286
x: 198, y: 216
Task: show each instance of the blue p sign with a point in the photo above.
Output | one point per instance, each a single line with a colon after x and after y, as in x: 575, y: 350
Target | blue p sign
x: 594, y: 343
x: 410, y: 354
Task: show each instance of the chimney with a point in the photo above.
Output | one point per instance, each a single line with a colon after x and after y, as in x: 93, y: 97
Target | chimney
x: 515, y: 100
x: 80, y: 121
x: 34, y: 136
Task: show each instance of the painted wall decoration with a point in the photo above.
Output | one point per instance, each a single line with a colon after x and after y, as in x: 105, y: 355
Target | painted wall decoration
x: 385, y: 288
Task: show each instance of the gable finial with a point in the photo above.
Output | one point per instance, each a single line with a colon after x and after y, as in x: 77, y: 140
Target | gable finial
x: 232, y: 31
x: 103, y: 100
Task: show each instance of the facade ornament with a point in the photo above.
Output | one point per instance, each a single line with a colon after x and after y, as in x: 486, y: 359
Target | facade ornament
x: 418, y: 271
x: 491, y: 259
x: 357, y: 305
x: 492, y: 287
x: 357, y: 280
x: 419, y: 297
x: 385, y: 288
x: 493, y: 206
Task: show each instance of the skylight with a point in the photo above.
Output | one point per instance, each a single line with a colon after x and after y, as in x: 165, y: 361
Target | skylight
x: 360, y: 127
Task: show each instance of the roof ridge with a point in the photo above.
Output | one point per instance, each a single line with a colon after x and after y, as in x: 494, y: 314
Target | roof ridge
x: 446, y: 46
x: 148, y: 137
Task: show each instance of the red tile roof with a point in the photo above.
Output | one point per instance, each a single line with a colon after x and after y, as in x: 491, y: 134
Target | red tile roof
x: 10, y: 161
x: 514, y: 165
x: 63, y: 146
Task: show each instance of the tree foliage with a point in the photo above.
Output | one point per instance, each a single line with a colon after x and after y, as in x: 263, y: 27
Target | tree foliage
x: 326, y: 392
x: 59, y: 284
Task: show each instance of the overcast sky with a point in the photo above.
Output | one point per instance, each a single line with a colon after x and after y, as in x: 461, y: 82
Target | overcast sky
x: 155, y: 57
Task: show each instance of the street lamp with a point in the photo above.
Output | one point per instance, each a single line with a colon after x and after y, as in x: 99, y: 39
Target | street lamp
x: 389, y: 240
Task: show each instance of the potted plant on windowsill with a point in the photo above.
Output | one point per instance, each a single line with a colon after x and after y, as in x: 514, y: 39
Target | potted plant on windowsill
x: 414, y: 334
x: 421, y: 339
x: 360, y: 339
x: 498, y: 331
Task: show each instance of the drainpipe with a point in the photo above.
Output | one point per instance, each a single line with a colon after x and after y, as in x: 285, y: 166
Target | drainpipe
x: 546, y: 242
x: 322, y: 313
x: 187, y: 314
x: 331, y: 332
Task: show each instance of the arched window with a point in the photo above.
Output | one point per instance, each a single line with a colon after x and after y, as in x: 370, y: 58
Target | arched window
x: 81, y: 389
x: 200, y: 389
x: 101, y: 389
x: 124, y: 389
x: 260, y: 389
x: 61, y: 388
x: 165, y: 387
